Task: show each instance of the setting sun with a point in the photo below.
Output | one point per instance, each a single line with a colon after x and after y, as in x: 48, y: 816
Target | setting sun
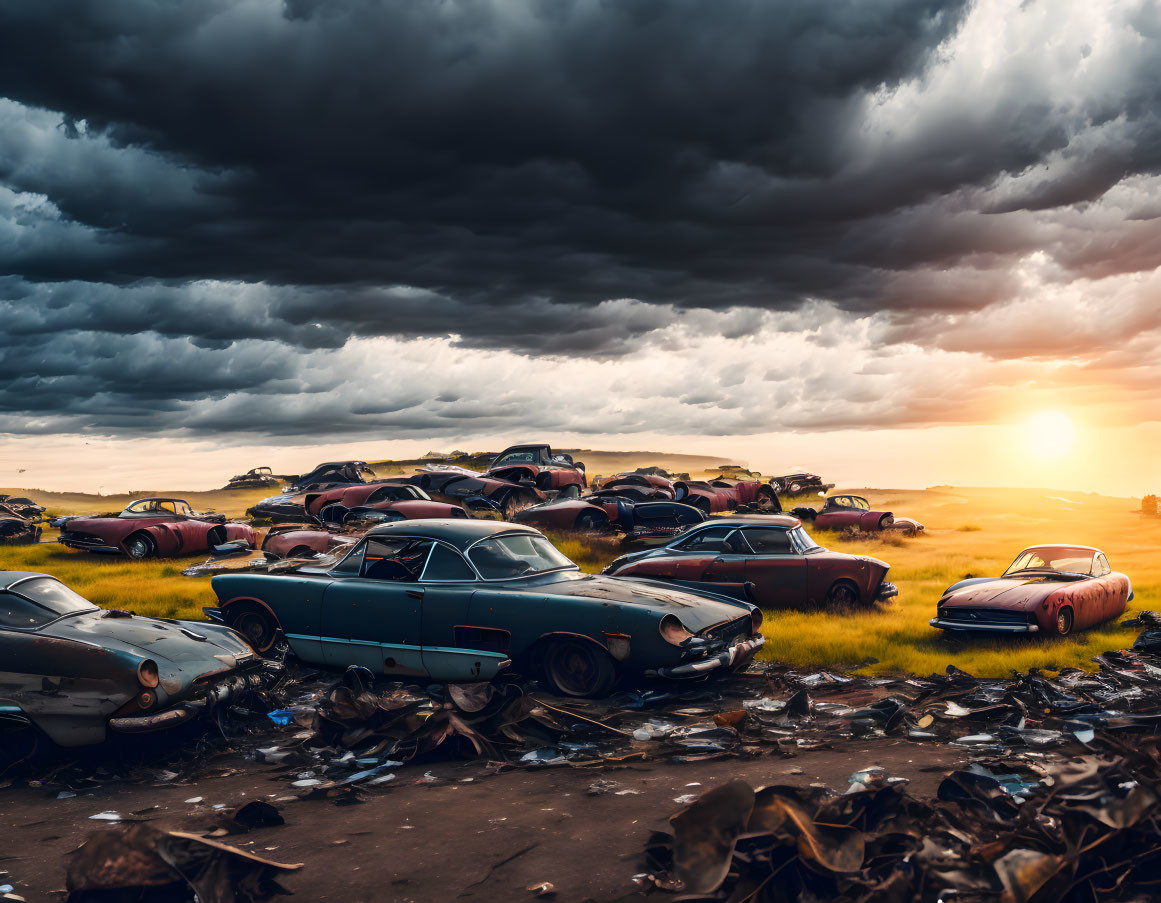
x: 1049, y: 435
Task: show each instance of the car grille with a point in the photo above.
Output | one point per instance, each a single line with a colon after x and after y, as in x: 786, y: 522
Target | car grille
x: 984, y: 616
x: 732, y: 631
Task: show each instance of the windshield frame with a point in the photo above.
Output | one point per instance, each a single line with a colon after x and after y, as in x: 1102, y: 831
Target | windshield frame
x: 1047, y: 568
x: 467, y: 553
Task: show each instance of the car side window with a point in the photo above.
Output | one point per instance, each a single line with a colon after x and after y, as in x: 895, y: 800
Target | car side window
x: 768, y: 541
x: 715, y: 539
x: 446, y: 564
x: 1101, y: 566
x: 397, y: 559
x: 18, y: 612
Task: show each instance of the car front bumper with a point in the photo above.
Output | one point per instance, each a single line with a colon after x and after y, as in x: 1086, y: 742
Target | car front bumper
x: 224, y: 690
x: 733, y: 657
x: 88, y: 545
x: 982, y: 626
x: 886, y: 591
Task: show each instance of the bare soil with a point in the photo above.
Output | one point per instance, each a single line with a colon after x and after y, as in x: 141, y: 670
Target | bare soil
x: 470, y: 833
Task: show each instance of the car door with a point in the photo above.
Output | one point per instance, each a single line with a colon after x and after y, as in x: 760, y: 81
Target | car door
x: 454, y: 649
x: 777, y: 569
x: 374, y: 617
x: 729, y: 565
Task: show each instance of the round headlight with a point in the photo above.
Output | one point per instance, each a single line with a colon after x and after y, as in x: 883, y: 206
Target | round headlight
x: 145, y: 699
x: 756, y: 621
x: 148, y: 674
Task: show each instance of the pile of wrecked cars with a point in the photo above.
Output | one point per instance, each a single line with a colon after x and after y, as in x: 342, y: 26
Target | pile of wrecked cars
x: 20, y: 521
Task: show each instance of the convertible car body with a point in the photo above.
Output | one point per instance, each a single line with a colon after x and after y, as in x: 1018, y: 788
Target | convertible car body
x: 536, y: 465
x: 76, y: 671
x: 770, y: 560
x: 642, y: 487
x: 1051, y: 589
x: 461, y: 600
x: 382, y: 501
x: 566, y: 514
x: 717, y: 496
x: 842, y: 511
x: 800, y: 481
x: 298, y: 540
x: 158, y: 526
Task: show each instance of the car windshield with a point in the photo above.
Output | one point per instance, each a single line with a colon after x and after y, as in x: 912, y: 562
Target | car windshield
x: 31, y: 603
x: 1065, y: 560
x: 516, y: 555
x: 519, y: 457
x: 804, y: 541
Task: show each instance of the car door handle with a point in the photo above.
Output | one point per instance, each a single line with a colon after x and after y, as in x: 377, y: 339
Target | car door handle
x: 415, y: 593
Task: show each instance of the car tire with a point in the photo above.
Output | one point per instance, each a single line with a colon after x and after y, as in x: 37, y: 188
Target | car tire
x: 19, y: 744
x: 574, y: 667
x: 842, y: 594
x: 140, y: 545
x: 1064, y: 620
x: 256, y: 624
x: 586, y: 522
x: 572, y: 491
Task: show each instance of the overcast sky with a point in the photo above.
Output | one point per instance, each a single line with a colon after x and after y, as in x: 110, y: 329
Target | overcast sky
x: 275, y: 223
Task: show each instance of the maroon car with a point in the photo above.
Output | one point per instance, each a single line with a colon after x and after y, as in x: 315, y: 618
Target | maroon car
x: 537, y: 466
x: 840, y: 512
x: 769, y: 560
x: 716, y: 496
x: 299, y: 540
x: 157, y: 526
x: 565, y: 514
x: 334, y: 505
x: 1051, y: 589
x: 642, y: 487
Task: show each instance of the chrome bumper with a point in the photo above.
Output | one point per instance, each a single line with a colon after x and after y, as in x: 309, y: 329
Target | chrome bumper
x: 735, y: 655
x: 192, y: 708
x: 887, y: 590
x: 946, y: 624
x: 88, y: 545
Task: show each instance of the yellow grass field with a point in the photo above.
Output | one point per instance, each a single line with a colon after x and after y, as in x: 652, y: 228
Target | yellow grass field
x: 969, y: 531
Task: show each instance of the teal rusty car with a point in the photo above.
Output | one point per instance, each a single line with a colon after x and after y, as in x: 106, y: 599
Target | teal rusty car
x: 77, y: 673
x: 462, y: 600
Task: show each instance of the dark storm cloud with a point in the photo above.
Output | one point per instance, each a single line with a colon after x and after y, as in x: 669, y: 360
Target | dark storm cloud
x: 206, y: 199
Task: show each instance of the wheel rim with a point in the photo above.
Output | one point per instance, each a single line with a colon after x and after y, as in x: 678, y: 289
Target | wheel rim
x: 842, y: 595
x: 138, y: 547
x: 1063, y: 621
x: 573, y: 669
x: 256, y: 628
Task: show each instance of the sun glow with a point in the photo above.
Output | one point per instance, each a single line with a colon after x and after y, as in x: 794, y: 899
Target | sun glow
x: 1049, y: 435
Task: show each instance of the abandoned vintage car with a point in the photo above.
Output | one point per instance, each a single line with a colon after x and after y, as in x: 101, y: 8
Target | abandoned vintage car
x: 600, y: 513
x: 156, y: 526
x: 643, y: 487
x: 20, y: 521
x: 301, y: 540
x: 1050, y: 589
x: 769, y: 560
x: 290, y: 505
x: 566, y: 514
x: 461, y: 600
x: 477, y: 493
x: 407, y: 501
x: 536, y: 465
x: 799, y: 481
x: 717, y: 496
x: 75, y: 671
x: 254, y: 478
x: 840, y: 512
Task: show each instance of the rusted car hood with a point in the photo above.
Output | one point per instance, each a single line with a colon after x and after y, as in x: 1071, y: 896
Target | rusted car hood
x: 695, y: 611
x: 1005, y: 593
x: 183, y: 650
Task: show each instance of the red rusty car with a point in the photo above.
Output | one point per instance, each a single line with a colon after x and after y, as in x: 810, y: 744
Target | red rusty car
x: 155, y: 526
x: 842, y: 511
x: 301, y: 540
x: 537, y: 466
x: 767, y: 559
x: 639, y: 486
x: 565, y: 514
x: 1051, y: 589
x: 410, y: 501
x: 716, y: 496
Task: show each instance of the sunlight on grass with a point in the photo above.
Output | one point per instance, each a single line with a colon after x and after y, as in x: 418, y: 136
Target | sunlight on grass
x: 969, y: 532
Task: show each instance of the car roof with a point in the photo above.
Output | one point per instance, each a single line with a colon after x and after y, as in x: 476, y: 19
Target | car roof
x: 158, y: 498
x: 1061, y: 545
x: 459, y: 532
x: 7, y: 578
x: 783, y: 521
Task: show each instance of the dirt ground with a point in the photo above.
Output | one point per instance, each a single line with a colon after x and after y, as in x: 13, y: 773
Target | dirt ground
x: 468, y: 834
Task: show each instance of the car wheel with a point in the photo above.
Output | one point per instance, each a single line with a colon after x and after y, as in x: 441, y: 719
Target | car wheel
x: 18, y: 743
x: 140, y: 545
x: 587, y: 522
x: 1064, y: 621
x: 795, y: 487
x: 571, y: 491
x: 256, y: 625
x: 843, y: 595
x: 578, y: 668
x: 300, y: 552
